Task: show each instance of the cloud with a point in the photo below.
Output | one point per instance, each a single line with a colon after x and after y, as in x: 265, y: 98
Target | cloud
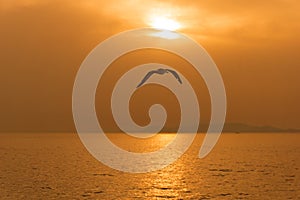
x: 233, y: 19
x: 242, y: 21
x: 254, y: 43
x: 42, y: 47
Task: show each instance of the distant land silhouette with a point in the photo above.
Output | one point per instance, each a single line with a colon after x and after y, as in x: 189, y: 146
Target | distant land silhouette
x: 245, y: 128
x: 228, y: 128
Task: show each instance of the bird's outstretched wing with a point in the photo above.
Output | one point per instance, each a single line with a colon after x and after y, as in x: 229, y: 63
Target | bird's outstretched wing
x: 145, y: 78
x: 175, y: 75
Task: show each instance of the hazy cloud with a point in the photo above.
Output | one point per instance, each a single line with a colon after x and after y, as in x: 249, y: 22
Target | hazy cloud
x: 254, y: 43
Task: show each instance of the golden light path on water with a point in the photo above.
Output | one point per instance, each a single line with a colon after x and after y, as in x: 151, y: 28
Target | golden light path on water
x: 231, y: 171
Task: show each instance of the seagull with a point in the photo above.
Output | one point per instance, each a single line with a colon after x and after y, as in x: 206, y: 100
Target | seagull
x: 161, y: 72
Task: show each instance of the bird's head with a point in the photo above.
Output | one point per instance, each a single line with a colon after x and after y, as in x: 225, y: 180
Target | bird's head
x: 161, y: 71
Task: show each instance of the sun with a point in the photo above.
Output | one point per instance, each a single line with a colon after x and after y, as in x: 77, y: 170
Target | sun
x: 164, y: 23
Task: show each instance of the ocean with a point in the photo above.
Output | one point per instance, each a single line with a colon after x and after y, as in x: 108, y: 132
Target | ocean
x: 241, y: 166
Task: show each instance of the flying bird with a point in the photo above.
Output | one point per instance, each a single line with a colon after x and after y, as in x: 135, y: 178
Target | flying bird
x: 160, y: 72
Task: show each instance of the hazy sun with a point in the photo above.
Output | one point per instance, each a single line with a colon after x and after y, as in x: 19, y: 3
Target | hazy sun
x: 165, y: 23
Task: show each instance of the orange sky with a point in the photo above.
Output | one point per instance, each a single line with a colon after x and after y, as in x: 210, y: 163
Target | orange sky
x: 254, y: 43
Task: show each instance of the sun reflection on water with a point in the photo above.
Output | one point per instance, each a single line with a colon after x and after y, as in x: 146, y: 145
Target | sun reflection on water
x: 169, y: 182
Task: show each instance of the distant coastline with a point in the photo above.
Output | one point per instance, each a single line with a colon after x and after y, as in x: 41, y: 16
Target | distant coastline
x: 228, y: 128
x: 242, y: 128
x: 245, y: 128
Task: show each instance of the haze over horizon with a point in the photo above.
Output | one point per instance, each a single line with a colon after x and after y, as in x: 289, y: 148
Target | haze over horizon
x: 43, y: 43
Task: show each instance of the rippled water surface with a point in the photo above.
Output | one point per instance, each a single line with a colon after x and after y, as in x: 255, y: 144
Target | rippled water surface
x: 241, y: 166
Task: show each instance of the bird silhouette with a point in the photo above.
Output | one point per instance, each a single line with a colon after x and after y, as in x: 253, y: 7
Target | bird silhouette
x: 160, y: 72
